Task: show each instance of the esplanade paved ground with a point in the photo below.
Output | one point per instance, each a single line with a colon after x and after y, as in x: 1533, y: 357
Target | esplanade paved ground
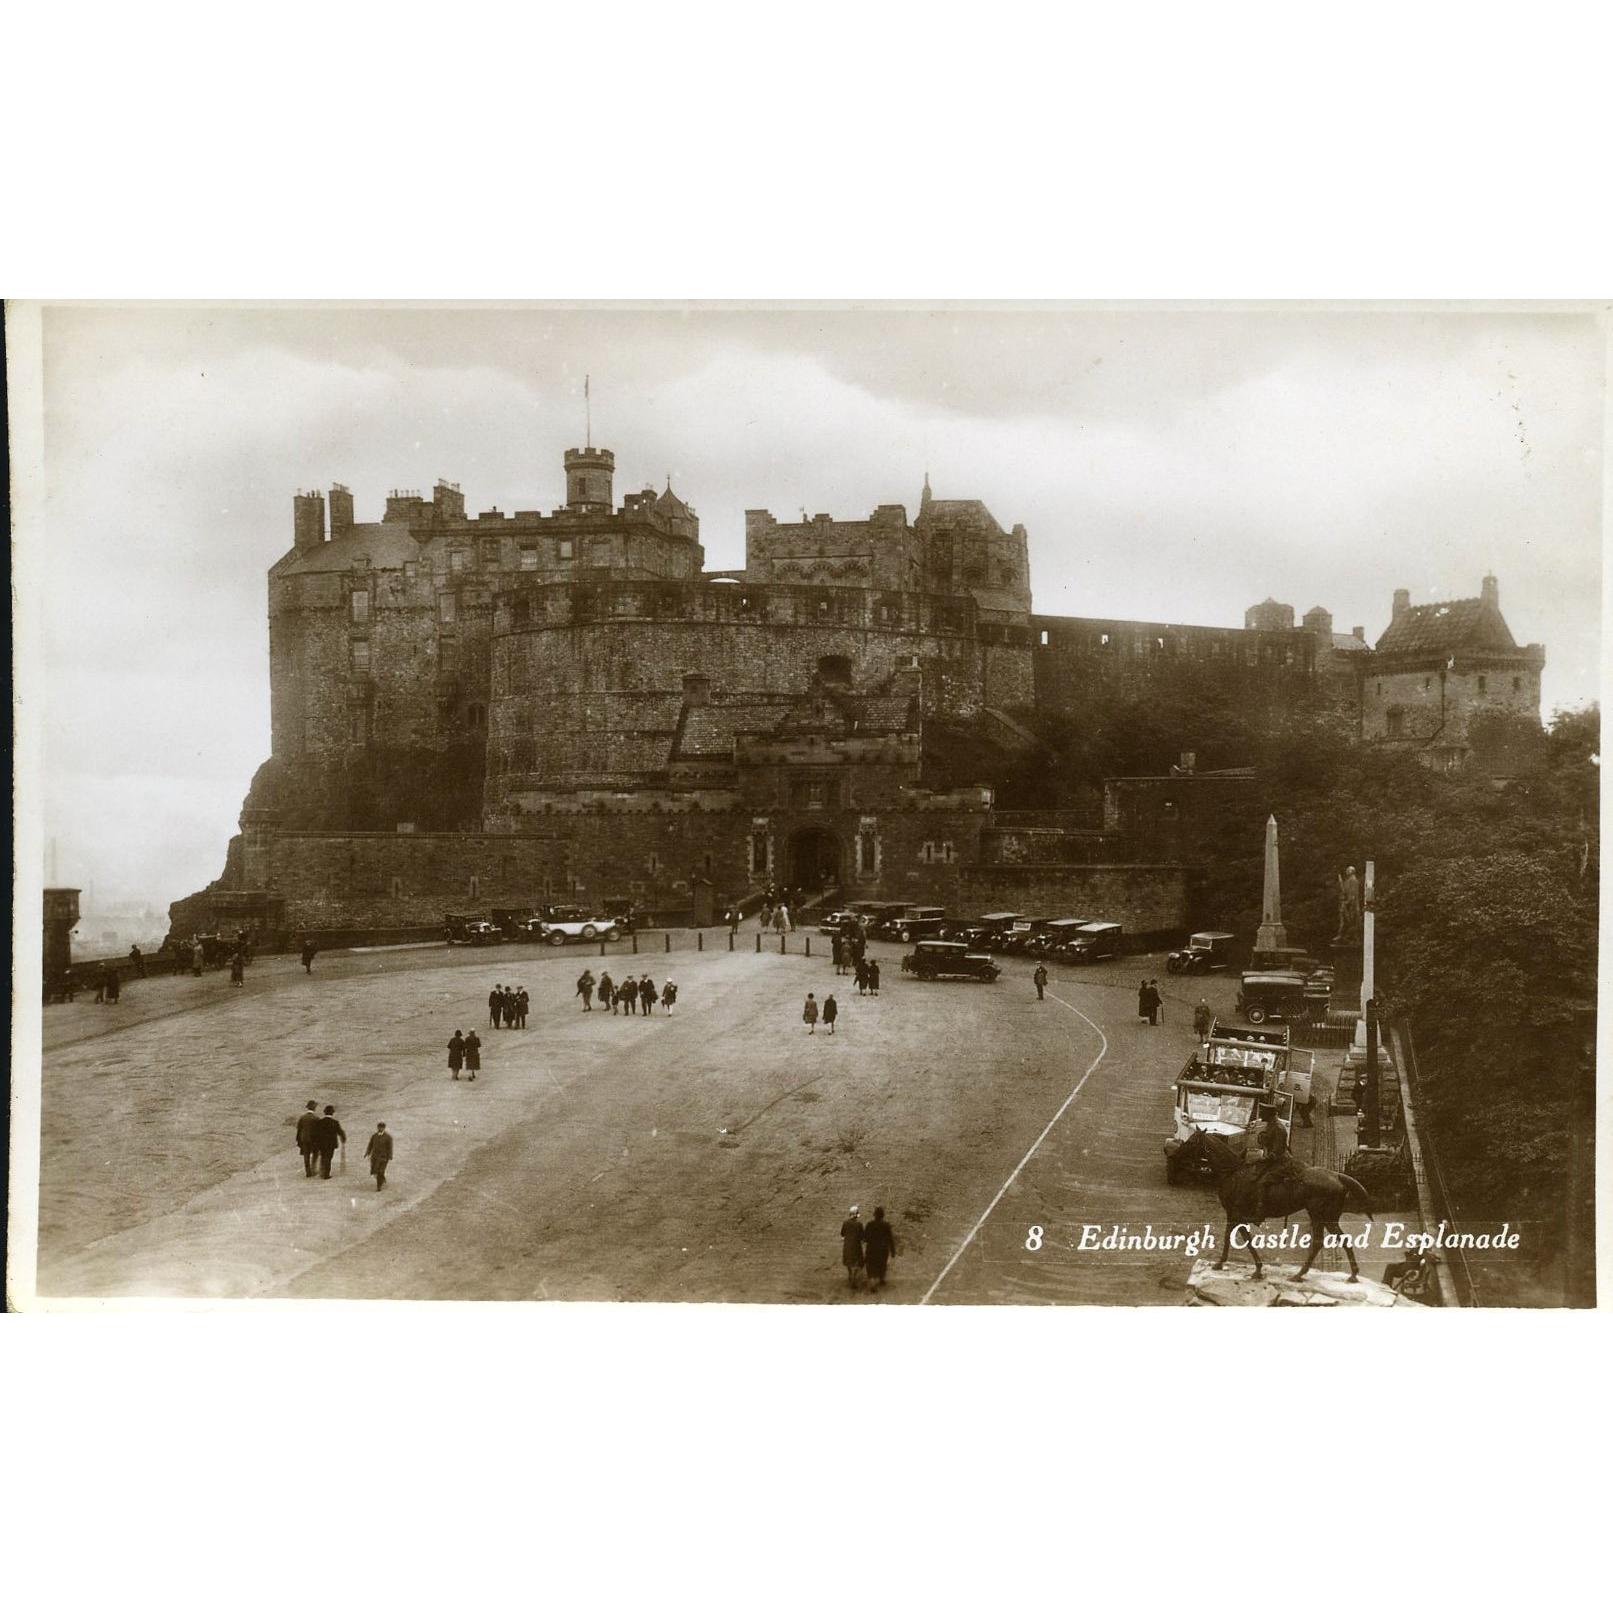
x: 706, y: 1156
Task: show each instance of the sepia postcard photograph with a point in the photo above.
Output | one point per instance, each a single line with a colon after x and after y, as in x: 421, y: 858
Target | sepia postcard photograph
x: 877, y: 805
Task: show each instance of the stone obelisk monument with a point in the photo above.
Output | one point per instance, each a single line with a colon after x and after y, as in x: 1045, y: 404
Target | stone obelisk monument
x: 1272, y: 935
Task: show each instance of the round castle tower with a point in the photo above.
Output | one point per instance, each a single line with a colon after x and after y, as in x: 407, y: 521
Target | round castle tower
x: 589, y: 473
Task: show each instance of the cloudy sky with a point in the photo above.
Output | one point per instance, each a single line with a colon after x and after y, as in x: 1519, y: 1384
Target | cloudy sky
x: 1169, y: 465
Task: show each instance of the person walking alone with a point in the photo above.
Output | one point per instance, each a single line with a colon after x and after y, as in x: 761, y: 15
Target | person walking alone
x: 879, y: 1246
x: 330, y: 1133
x: 873, y: 977
x: 309, y: 950
x: 669, y: 996
x: 378, y: 1151
x: 308, y: 1137
x: 1040, y: 979
x: 473, y: 1055
x: 809, y: 1014
x: 585, y: 990
x: 831, y: 1012
x: 851, y: 1248
x: 1202, y: 1018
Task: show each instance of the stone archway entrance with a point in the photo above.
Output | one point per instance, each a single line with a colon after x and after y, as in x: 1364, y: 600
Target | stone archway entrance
x: 815, y: 858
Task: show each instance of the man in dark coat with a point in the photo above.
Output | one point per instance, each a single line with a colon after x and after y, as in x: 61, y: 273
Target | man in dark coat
x: 456, y: 1054
x: 585, y: 990
x: 831, y: 1012
x: 329, y: 1134
x: 308, y: 1137
x: 851, y: 1247
x: 862, y: 977
x: 607, y: 991
x: 308, y: 951
x: 1202, y: 1018
x: 495, y: 1006
x: 1040, y: 980
x: 873, y: 977
x: 879, y: 1245
x: 627, y: 995
x: 522, y: 1003
x: 837, y: 948
x: 647, y: 994
x: 473, y: 1055
x: 378, y: 1151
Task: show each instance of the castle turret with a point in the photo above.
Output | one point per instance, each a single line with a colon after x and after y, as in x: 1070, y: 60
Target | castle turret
x: 1402, y: 604
x: 1490, y: 593
x: 589, y: 473
x: 308, y: 520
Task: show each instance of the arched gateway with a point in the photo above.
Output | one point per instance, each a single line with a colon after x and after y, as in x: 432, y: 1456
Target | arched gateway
x: 815, y: 857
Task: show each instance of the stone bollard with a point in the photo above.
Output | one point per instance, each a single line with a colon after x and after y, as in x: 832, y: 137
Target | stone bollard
x: 700, y: 940
x: 809, y: 946
x: 635, y: 943
x: 666, y: 935
x: 758, y: 940
x: 781, y: 948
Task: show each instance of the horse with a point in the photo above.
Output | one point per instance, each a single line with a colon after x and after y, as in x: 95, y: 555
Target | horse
x: 1322, y: 1194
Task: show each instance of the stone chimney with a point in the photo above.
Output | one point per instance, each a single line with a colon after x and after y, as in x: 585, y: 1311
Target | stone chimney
x: 1490, y: 593
x: 1402, y: 604
x: 1359, y: 633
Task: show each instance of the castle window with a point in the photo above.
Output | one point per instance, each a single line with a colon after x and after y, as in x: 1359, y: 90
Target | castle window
x: 1103, y: 641
x: 1380, y: 686
x: 522, y: 614
x: 447, y: 608
x: 565, y: 548
x: 358, y: 656
x: 1395, y: 723
x: 475, y: 886
x: 490, y: 551
x: 867, y: 852
x: 529, y: 557
x: 360, y: 606
x: 397, y: 886
x: 760, y: 863
x: 1484, y: 684
x: 1044, y: 636
x: 456, y: 561
x: 475, y: 717
x: 653, y: 862
x: 927, y: 852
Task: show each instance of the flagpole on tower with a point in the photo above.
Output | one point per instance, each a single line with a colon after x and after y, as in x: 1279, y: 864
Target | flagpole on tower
x: 588, y: 413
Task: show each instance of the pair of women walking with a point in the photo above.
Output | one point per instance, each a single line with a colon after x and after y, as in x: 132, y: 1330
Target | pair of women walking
x: 810, y: 1014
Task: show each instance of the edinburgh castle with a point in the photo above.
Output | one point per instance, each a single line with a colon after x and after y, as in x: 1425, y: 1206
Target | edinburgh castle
x: 501, y: 709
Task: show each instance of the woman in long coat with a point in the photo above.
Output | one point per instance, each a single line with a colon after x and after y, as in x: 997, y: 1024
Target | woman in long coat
x: 851, y: 1247
x: 456, y: 1053
x: 809, y: 1013
x: 831, y: 1012
x: 473, y: 1055
x: 607, y: 991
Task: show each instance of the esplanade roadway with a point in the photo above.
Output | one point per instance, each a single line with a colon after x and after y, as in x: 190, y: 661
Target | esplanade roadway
x: 707, y: 1155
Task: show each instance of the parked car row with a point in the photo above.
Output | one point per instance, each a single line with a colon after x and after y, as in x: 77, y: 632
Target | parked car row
x: 551, y: 925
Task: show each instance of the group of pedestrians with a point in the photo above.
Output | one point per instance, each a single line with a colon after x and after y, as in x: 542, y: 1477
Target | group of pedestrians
x: 866, y: 1251
x: 849, y: 953
x: 810, y: 1013
x: 464, y: 1053
x: 319, y: 1136
x: 627, y: 995
x: 507, y: 1007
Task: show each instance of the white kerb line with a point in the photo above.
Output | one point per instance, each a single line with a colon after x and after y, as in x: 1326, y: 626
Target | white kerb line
x: 1013, y: 1174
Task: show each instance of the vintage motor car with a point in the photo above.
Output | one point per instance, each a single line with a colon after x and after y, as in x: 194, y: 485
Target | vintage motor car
x: 997, y: 926
x: 841, y: 922
x: 470, y: 930
x: 1225, y: 1102
x: 1275, y: 994
x: 1021, y: 933
x: 936, y: 960
x: 1099, y: 939
x: 913, y: 923
x: 1266, y: 1049
x: 1205, y: 950
x: 577, y: 924
x: 1053, y: 935
x: 970, y: 931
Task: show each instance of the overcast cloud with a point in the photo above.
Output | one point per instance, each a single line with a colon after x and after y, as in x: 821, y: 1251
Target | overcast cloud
x: 1173, y: 466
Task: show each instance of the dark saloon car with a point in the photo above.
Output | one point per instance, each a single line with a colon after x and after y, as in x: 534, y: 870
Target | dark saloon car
x: 1205, y: 950
x: 1098, y: 939
x: 940, y: 960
